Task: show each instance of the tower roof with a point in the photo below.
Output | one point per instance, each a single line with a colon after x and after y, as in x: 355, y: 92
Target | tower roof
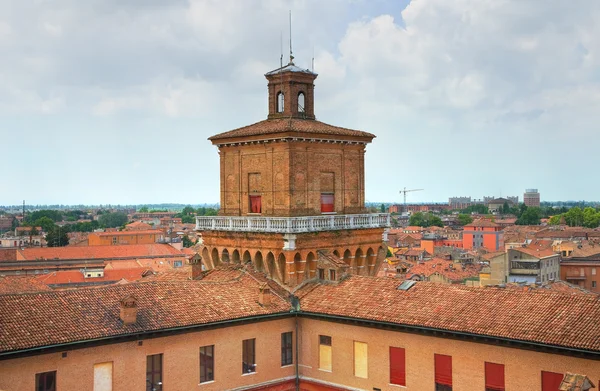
x: 281, y: 126
x: 291, y: 67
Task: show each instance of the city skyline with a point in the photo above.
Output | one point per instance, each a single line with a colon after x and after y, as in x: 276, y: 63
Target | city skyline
x: 463, y: 98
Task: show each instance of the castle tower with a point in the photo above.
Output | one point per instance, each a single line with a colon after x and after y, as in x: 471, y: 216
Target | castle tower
x: 293, y: 188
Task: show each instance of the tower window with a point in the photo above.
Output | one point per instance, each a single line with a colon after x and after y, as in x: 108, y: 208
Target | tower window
x: 301, y: 102
x: 255, y: 204
x: 280, y: 102
x: 327, y: 204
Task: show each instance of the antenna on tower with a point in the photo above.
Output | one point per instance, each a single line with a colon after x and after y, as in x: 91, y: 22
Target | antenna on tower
x: 281, y: 49
x: 291, y: 56
x: 313, y: 61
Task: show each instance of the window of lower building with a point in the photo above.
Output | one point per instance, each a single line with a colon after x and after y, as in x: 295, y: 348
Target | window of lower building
x: 154, y: 372
x: 551, y: 381
x: 177, y: 263
x: 248, y: 356
x: 255, y: 204
x: 327, y: 203
x: 45, y: 381
x: 325, y: 352
x: 360, y: 360
x: 207, y: 363
x: 494, y: 377
x: 397, y: 366
x: 593, y: 271
x: 332, y: 274
x: 593, y: 284
x: 321, y: 274
x: 103, y: 376
x: 286, y: 349
x: 443, y: 372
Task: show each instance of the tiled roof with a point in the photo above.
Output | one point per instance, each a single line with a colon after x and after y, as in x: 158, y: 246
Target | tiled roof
x: 449, y: 269
x: 129, y: 233
x: 99, y: 252
x: 19, y: 284
x: 481, y: 223
x: 64, y: 277
x: 8, y: 254
x: 574, y: 382
x: 541, y: 317
x: 536, y: 252
x: 284, y: 125
x: 91, y: 313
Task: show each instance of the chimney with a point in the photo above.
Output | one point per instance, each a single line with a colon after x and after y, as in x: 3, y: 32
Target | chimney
x: 196, y: 262
x: 264, y: 294
x: 129, y: 310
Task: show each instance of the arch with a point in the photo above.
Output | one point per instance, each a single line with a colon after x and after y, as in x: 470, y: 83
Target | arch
x: 299, y: 265
x: 246, y: 257
x: 215, y: 257
x: 348, y: 257
x: 258, y: 262
x: 280, y: 102
x: 311, y: 263
x: 225, y: 255
x: 206, y: 258
x: 235, y: 256
x: 336, y: 253
x: 271, y: 268
x: 359, y: 261
x: 281, y: 261
x: 371, y: 258
x: 301, y: 103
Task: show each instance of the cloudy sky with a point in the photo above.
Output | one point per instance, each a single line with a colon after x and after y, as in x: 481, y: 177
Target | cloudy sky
x: 111, y: 101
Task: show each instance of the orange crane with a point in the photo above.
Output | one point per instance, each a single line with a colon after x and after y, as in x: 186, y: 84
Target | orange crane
x: 408, y: 191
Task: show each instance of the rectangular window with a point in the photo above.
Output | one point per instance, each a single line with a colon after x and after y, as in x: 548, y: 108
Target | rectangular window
x: 593, y: 284
x: 494, y: 377
x: 207, y: 363
x: 360, y: 360
x: 154, y: 372
x: 103, y: 373
x: 332, y: 274
x: 325, y: 352
x: 45, y: 381
x: 255, y: 204
x: 321, y: 274
x: 551, y: 381
x: 286, y: 349
x: 327, y: 203
x: 593, y: 271
x: 177, y: 263
x: 582, y: 272
x: 443, y: 372
x: 248, y: 356
x: 397, y: 366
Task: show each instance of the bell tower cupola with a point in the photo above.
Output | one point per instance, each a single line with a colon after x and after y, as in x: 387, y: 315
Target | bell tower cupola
x: 291, y: 92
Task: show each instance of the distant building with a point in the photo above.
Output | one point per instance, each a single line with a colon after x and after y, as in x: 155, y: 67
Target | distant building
x: 533, y: 264
x: 495, y: 205
x: 581, y: 266
x: 483, y: 234
x: 124, y: 237
x: 459, y: 202
x: 531, y: 197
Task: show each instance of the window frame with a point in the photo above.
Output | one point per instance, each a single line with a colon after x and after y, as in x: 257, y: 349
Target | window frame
x: 325, y: 349
x: 361, y: 363
x: 327, y: 207
x: 248, y: 356
x: 287, y: 348
x: 332, y: 274
x: 489, y: 377
x: 397, y: 368
x: 207, y: 372
x: 45, y: 377
x: 255, y: 197
x: 153, y: 371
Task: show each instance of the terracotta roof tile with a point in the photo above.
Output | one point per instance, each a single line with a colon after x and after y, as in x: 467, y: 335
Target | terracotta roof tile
x: 541, y: 317
x: 20, y: 284
x: 99, y: 252
x: 283, y: 125
x: 129, y: 233
x: 481, y: 223
x: 449, y: 269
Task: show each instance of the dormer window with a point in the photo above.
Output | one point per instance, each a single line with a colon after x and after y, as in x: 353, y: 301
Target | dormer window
x: 280, y: 102
x: 301, y: 102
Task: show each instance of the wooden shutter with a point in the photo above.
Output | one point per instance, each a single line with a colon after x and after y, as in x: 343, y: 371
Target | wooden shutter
x: 255, y: 204
x: 397, y: 366
x: 325, y: 357
x: 103, y: 373
x: 327, y: 203
x: 443, y: 369
x: 360, y: 360
x: 494, y: 376
x: 551, y: 381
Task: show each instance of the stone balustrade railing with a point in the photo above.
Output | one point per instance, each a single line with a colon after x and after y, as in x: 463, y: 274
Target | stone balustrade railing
x: 292, y: 225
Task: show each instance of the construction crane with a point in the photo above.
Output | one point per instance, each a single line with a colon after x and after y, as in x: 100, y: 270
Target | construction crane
x: 408, y: 191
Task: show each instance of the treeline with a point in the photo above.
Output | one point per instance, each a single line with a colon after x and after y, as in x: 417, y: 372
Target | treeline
x: 577, y: 217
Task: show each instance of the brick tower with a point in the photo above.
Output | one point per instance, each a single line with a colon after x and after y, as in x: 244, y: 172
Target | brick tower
x: 292, y: 192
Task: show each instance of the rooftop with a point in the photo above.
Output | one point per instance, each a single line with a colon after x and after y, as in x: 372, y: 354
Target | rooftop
x: 98, y: 252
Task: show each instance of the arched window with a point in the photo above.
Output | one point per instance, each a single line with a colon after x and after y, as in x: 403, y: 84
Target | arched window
x: 280, y: 102
x: 301, y: 102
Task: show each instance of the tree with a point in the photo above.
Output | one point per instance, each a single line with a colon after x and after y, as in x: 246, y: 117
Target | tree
x: 112, y: 220
x: 591, y: 218
x: 187, y: 242
x: 389, y: 253
x: 477, y: 208
x: 188, y: 210
x: 143, y: 209
x: 45, y: 222
x: 505, y: 208
x: 531, y: 216
x: 55, y: 215
x: 574, y: 217
x: 464, y: 219
x: 425, y: 220
x: 382, y: 208
x: 554, y: 220
x: 57, y: 237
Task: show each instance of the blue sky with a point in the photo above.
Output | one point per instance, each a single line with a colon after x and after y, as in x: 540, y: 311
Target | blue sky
x: 112, y: 101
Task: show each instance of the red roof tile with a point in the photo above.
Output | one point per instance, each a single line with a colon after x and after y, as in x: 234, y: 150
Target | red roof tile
x: 129, y: 233
x: 541, y: 317
x: 99, y: 252
x: 20, y: 284
x: 481, y: 223
x: 285, y: 125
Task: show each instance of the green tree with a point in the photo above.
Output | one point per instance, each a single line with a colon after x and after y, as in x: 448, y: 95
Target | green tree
x: 33, y: 231
x: 531, y: 216
x: 382, y: 208
x: 55, y: 215
x: 425, y: 220
x: 464, y: 219
x: 188, y: 210
x: 45, y: 222
x: 417, y: 219
x: 112, y: 220
x: 505, y: 208
x: 143, y: 209
x: 554, y: 220
x: 591, y: 218
x: 389, y: 253
x: 477, y: 208
x: 574, y: 217
x: 187, y: 242
x: 57, y: 237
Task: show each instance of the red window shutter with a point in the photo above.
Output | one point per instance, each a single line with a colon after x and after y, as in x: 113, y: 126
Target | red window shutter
x: 494, y: 376
x: 551, y: 381
x: 327, y: 203
x: 443, y: 369
x: 397, y: 366
x: 255, y: 204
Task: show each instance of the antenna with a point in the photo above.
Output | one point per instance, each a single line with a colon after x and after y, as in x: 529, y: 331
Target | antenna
x: 291, y: 56
x: 313, y: 61
x: 281, y: 49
